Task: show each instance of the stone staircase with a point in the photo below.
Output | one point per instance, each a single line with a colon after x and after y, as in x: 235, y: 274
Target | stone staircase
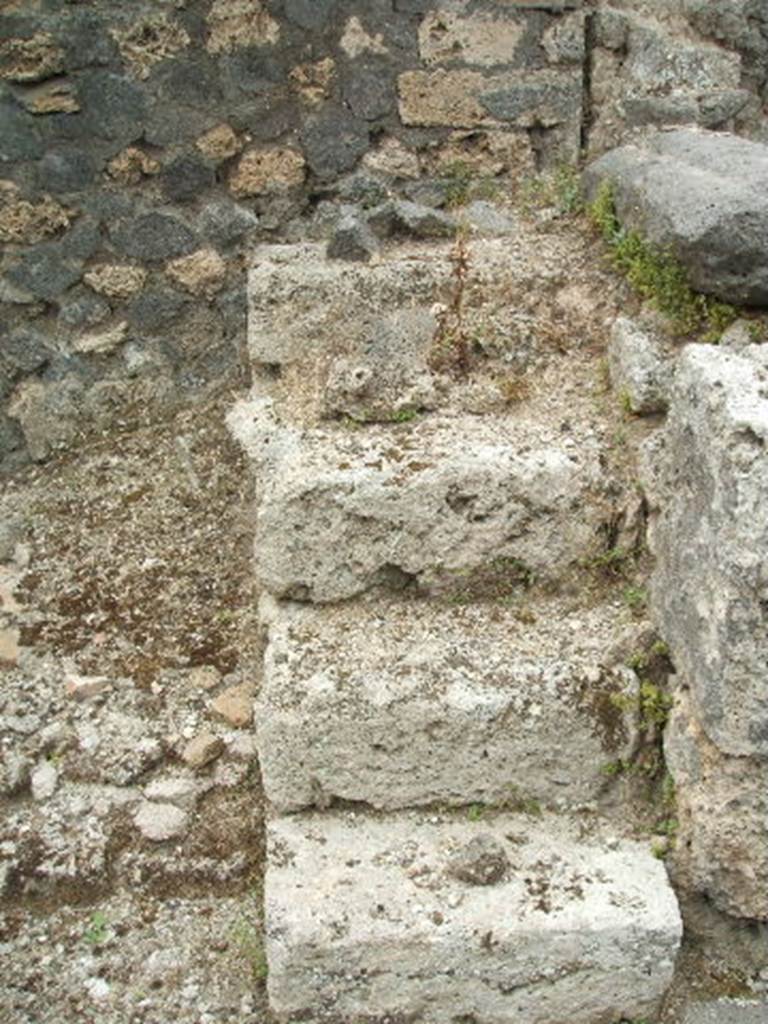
x: 441, y: 696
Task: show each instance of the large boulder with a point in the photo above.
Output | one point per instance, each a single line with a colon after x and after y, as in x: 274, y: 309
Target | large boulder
x: 710, y: 586
x: 704, y: 195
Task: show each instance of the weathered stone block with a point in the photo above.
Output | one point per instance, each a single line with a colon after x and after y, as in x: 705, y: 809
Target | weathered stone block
x: 451, y: 35
x: 722, y: 806
x: 468, y: 99
x: 710, y: 586
x: 343, y: 511
x: 637, y: 368
x: 364, y: 914
x: 359, y: 336
x: 705, y: 196
x: 397, y: 705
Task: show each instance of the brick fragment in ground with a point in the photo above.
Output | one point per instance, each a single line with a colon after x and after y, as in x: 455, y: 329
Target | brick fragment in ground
x: 365, y: 913
x: 397, y: 706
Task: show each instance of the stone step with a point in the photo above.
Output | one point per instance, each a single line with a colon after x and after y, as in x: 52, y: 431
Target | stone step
x: 341, y: 511
x: 436, y: 920
x: 330, y: 338
x: 409, y: 703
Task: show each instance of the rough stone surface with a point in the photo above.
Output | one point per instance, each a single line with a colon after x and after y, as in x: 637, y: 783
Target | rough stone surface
x: 160, y: 822
x: 201, y: 273
x: 470, y: 99
x: 334, y: 140
x: 363, y: 913
x: 638, y: 372
x: 261, y: 171
x: 400, y: 217
x: 238, y: 23
x: 352, y: 239
x: 235, y: 706
x: 341, y: 513
x: 116, y: 280
x: 202, y: 750
x: 219, y: 143
x: 722, y: 803
x: 43, y: 780
x: 396, y: 705
x: 358, y: 335
x: 481, y: 861
x: 727, y: 1011
x: 23, y: 220
x: 153, y: 236
x: 704, y: 196
x: 710, y: 541
x: 480, y: 39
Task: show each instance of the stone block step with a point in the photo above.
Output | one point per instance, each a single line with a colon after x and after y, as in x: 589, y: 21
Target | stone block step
x: 436, y: 920
x: 342, y: 511
x: 330, y: 338
x: 408, y: 703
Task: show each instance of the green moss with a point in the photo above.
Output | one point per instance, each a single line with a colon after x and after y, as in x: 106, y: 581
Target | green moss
x: 657, y: 275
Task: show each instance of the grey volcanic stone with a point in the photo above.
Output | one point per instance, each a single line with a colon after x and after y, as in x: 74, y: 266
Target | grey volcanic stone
x: 187, y: 177
x: 705, y: 195
x: 67, y: 170
x: 710, y: 586
x: 155, y: 308
x: 85, y: 39
x: 333, y: 142
x: 153, y: 236
x: 549, y: 99
x: 401, y: 217
x: 371, y: 91
x: 43, y: 272
x: 309, y: 14
x: 396, y: 706
x: 352, y: 239
x: 83, y: 308
x: 224, y: 222
x: 363, y: 913
x: 727, y: 1011
x: 113, y: 106
x: 25, y: 349
x: 19, y: 134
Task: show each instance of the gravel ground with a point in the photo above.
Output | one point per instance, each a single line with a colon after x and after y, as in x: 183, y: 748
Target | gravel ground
x: 130, y: 806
